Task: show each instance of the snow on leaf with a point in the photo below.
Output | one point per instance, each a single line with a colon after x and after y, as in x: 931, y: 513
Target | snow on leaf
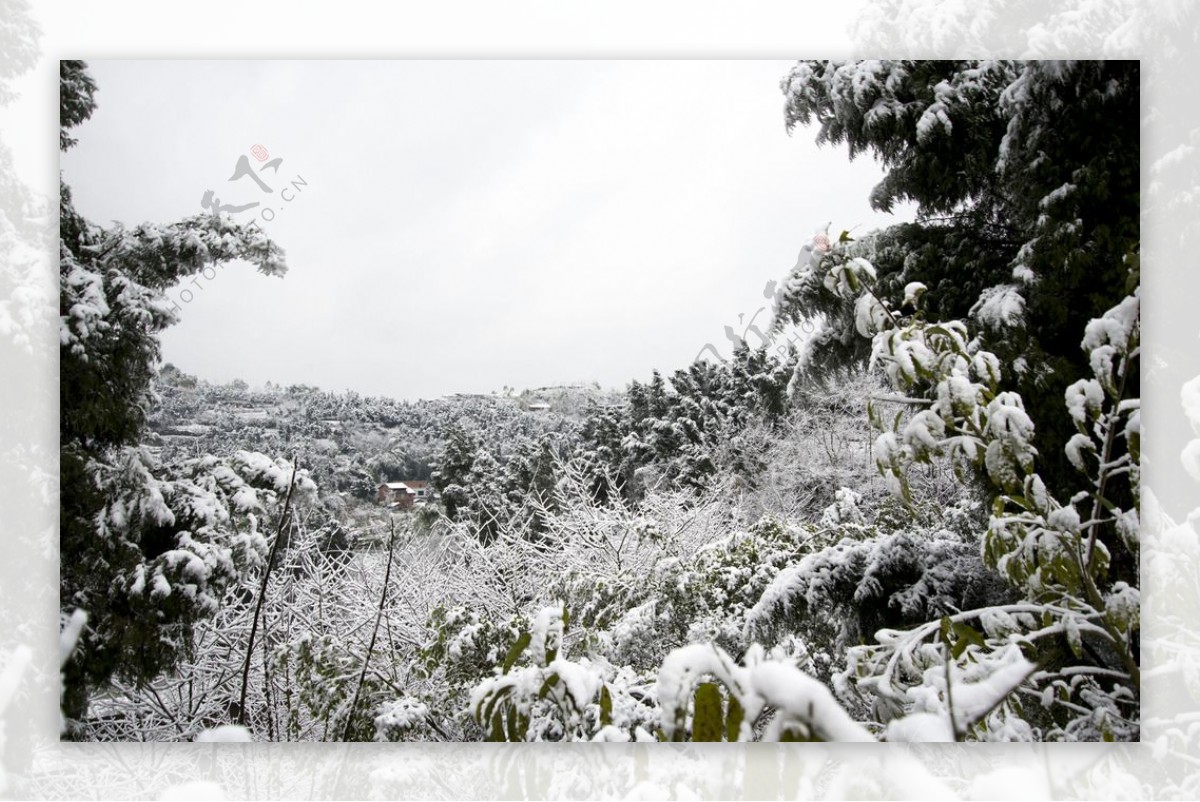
x: 547, y: 634
x: 1001, y: 306
x: 913, y: 292
x: 920, y: 728
x: 1084, y: 400
x: 400, y: 714
x: 1065, y: 519
x: 1079, y: 445
x: 869, y: 315
x: 924, y: 433
x: 1114, y: 327
x: 798, y: 697
x: 161, y: 587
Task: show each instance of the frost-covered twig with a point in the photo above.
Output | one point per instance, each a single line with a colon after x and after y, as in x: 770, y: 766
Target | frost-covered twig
x: 387, y: 576
x: 262, y: 591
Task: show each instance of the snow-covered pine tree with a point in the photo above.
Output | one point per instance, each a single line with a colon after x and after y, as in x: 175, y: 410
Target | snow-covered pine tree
x: 146, y: 550
x: 453, y: 467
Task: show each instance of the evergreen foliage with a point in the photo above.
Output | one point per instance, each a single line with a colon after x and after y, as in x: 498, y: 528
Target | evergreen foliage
x: 147, y: 551
x: 923, y: 527
x: 1025, y: 180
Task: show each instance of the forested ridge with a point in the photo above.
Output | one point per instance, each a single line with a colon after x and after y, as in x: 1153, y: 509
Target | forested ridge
x: 921, y: 525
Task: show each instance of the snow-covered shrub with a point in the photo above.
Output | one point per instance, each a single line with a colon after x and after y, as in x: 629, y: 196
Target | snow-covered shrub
x: 402, y: 719
x: 765, y: 698
x: 461, y: 646
x: 707, y: 598
x: 539, y: 694
x: 322, y: 675
x: 463, y: 641
x: 1077, y: 617
x: 673, y: 570
x: 173, y: 540
x: 842, y: 594
x: 632, y: 574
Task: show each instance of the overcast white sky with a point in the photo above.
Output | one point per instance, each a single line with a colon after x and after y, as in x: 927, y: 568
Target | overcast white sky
x: 466, y: 225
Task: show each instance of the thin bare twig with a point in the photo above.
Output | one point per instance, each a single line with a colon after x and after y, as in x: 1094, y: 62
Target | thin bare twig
x: 387, y: 575
x: 262, y: 591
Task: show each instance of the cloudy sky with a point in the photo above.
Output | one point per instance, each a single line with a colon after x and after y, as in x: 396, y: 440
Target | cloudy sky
x: 459, y: 226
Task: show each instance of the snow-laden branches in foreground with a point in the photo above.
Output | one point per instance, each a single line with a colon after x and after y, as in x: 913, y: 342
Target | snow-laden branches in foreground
x: 583, y: 615
x: 1074, y: 562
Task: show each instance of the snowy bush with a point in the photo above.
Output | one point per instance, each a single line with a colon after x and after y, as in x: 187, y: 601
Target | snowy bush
x: 551, y: 697
x: 847, y: 591
x: 766, y: 698
x: 1078, y: 616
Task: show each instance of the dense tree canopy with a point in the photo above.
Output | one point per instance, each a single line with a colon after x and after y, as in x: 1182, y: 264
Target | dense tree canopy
x: 1025, y: 180
x: 742, y: 550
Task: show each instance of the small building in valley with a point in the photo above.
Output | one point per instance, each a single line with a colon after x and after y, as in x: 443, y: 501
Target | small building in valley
x: 404, y: 495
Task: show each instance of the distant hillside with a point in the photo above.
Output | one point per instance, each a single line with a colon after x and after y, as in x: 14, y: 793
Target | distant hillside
x: 349, y: 441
